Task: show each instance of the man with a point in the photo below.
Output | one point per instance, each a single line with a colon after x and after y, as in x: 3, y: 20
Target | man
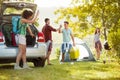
x: 67, y: 36
x: 47, y: 31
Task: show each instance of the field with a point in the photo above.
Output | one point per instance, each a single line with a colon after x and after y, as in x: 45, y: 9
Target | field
x: 67, y: 71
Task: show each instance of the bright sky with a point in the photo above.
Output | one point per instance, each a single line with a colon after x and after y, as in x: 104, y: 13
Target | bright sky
x: 53, y: 3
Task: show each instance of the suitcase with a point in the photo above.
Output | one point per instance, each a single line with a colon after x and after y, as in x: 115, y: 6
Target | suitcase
x: 13, y: 39
x: 74, y: 53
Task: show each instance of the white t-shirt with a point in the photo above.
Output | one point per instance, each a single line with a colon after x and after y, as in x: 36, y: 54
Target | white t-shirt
x: 97, y: 37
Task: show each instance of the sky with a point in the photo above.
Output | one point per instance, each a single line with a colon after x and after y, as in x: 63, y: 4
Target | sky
x: 47, y: 8
x: 53, y: 3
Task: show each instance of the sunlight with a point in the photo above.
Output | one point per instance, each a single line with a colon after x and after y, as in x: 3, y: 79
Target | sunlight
x: 52, y: 3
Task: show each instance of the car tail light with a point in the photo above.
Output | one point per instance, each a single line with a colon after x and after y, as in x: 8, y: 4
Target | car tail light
x: 1, y: 37
x: 41, y: 37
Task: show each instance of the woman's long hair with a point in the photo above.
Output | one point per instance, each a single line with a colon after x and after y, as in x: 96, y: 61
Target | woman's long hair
x: 98, y: 31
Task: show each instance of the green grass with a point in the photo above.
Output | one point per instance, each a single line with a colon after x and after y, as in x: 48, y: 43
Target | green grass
x: 66, y: 71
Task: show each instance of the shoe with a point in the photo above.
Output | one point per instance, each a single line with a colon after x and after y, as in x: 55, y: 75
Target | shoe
x: 25, y: 66
x: 98, y: 59
x: 72, y: 63
x: 61, y: 62
x: 17, y: 67
x: 50, y: 64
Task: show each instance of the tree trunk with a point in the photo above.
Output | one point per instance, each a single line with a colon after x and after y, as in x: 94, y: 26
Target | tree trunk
x: 103, y: 25
x: 105, y: 33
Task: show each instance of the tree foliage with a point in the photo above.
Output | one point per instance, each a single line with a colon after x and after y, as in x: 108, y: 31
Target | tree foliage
x: 90, y: 14
x: 114, y: 40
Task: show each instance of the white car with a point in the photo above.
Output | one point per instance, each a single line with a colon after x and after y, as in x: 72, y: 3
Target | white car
x: 36, y: 48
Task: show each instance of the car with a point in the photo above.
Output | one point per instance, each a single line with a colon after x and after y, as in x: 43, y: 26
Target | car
x: 36, y: 47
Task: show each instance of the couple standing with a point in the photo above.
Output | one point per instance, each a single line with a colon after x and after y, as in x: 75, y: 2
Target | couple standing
x: 67, y: 36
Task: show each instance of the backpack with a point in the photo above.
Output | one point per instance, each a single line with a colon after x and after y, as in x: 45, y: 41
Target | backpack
x: 15, y: 30
x: 106, y: 46
x: 15, y: 23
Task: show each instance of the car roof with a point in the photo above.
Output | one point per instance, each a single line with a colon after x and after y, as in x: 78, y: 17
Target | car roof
x: 16, y: 3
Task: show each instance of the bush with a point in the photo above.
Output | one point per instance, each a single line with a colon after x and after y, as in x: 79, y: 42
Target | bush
x: 114, y: 40
x: 57, y: 51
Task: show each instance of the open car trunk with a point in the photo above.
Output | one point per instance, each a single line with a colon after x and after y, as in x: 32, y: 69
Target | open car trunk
x: 7, y: 32
x: 10, y: 9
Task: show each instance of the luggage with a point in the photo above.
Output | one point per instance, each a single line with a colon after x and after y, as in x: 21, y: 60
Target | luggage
x: 15, y: 22
x: 15, y: 29
x: 1, y: 37
x: 13, y: 39
x: 74, y: 53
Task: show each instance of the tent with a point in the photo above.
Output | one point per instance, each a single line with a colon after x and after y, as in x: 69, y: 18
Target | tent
x: 85, y: 53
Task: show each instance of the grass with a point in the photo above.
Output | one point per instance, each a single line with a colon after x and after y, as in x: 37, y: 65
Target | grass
x: 66, y: 71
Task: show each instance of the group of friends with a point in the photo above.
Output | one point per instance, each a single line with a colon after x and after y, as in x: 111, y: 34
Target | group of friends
x: 26, y: 18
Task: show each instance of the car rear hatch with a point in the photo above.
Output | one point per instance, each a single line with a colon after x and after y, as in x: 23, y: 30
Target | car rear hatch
x: 10, y: 9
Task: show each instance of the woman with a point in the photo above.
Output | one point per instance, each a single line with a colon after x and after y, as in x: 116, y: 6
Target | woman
x: 97, y: 41
x: 23, y: 25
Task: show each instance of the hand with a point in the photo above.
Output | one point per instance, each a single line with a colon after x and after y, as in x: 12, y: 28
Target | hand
x: 59, y: 29
x: 37, y: 13
x: 60, y: 26
x: 32, y: 35
x: 74, y: 44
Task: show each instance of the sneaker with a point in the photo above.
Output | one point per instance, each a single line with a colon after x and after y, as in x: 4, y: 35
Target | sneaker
x: 72, y: 63
x: 50, y: 64
x: 61, y: 62
x: 17, y: 67
x: 25, y: 66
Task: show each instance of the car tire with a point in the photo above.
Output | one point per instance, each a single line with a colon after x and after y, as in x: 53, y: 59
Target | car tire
x: 40, y: 62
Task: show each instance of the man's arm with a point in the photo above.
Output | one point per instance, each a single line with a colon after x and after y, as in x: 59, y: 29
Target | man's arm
x: 73, y: 39
x: 53, y: 29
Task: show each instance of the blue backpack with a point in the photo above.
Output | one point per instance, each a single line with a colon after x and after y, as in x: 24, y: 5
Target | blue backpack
x: 15, y: 24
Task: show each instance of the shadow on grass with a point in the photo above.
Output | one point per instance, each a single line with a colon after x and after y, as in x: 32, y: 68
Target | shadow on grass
x: 6, y: 66
x: 106, y: 78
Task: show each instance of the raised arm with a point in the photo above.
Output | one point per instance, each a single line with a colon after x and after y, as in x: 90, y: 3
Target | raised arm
x: 53, y: 29
x: 31, y: 21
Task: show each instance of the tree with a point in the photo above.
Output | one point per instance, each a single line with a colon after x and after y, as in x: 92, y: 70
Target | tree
x: 89, y: 14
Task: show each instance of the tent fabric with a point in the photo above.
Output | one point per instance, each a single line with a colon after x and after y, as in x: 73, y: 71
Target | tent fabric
x: 85, y: 53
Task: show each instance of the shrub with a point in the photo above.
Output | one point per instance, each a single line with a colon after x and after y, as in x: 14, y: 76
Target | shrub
x: 57, y: 51
x: 114, y: 40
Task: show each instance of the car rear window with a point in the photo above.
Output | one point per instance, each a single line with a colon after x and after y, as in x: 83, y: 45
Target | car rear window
x: 9, y: 11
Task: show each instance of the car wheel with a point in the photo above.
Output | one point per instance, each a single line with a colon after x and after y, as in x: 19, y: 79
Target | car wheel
x: 40, y: 62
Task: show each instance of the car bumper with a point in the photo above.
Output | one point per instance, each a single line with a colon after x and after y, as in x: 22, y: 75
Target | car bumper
x: 39, y: 50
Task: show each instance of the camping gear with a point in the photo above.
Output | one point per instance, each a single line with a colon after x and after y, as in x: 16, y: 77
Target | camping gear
x: 15, y: 22
x: 15, y: 30
x: 74, y: 53
x: 85, y: 53
x: 106, y: 46
x: 66, y: 46
x: 1, y: 37
x: 67, y: 57
x: 13, y: 39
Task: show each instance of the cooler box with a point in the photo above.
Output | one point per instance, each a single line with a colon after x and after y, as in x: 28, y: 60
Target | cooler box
x: 74, y: 53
